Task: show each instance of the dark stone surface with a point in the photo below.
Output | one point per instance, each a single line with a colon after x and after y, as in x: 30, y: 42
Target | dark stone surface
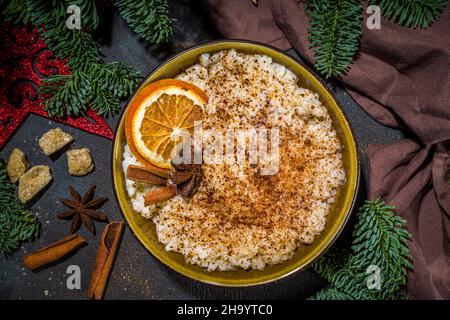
x: 137, y: 274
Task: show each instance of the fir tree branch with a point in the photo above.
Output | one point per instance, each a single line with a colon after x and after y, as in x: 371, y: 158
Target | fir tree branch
x: 15, y: 11
x: 412, y: 13
x: 335, y: 267
x: 148, y: 18
x: 379, y: 240
x: 76, y: 46
x: 88, y: 11
x: 332, y: 262
x: 334, y: 33
x: 331, y: 294
x: 102, y: 86
x: 70, y: 97
x: 16, y: 224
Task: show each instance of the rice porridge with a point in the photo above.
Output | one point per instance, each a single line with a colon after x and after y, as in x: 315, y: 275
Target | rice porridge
x: 239, y: 218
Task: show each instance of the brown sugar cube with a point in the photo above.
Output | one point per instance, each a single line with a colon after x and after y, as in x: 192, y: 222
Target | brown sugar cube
x: 79, y: 161
x: 17, y: 165
x: 53, y: 140
x: 33, y: 181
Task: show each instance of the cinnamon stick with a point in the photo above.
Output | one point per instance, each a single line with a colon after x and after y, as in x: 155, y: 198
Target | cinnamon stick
x: 179, y: 177
x: 161, y: 194
x: 155, y: 175
x: 139, y: 174
x: 161, y: 172
x: 107, y: 250
x: 53, y: 252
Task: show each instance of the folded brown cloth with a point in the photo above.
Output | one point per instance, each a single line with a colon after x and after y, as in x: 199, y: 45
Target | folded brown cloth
x: 401, y: 78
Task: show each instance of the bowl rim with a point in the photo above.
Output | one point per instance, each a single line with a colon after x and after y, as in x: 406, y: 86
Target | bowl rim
x: 313, y: 74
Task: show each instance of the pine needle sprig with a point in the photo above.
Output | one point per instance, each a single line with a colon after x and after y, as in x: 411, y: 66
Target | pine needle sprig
x: 380, y: 240
x: 92, y: 82
x: 88, y: 11
x: 331, y: 294
x: 335, y: 27
x: 336, y: 268
x: 334, y: 33
x: 69, y: 94
x: 412, y: 13
x: 116, y: 77
x: 75, y: 46
x: 15, y: 11
x: 100, y: 86
x: 148, y: 18
x: 16, y: 223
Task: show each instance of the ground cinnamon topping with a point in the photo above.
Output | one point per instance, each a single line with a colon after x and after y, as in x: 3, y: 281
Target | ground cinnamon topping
x: 239, y: 217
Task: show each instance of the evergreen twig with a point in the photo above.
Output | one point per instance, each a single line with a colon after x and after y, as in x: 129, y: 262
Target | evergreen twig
x: 335, y: 27
x: 379, y: 239
x: 15, y: 11
x: 334, y: 33
x: 412, y: 13
x: 92, y: 82
x: 148, y: 18
x: 16, y: 223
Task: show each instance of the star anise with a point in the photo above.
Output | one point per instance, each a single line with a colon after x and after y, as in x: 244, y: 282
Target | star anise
x: 189, y: 187
x: 83, y: 210
x: 188, y: 167
x: 184, y: 179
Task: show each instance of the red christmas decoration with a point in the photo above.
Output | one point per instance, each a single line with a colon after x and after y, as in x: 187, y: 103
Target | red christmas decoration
x: 24, y: 61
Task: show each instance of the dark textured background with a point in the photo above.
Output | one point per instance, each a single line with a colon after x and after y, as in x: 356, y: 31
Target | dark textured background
x: 136, y: 274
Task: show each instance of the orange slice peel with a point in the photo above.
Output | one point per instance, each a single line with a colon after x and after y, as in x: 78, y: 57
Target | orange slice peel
x: 158, y: 116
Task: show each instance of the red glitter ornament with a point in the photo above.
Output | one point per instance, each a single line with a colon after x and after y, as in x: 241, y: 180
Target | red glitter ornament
x: 24, y: 61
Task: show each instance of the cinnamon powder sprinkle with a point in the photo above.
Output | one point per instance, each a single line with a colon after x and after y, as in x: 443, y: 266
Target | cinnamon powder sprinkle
x: 240, y: 218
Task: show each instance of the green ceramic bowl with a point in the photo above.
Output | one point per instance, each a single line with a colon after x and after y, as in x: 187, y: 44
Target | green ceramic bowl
x: 144, y: 229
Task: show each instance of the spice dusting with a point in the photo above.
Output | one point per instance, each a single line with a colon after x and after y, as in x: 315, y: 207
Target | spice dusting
x: 239, y: 217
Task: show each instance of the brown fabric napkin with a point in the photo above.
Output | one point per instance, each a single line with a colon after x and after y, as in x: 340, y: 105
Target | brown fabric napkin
x: 401, y: 78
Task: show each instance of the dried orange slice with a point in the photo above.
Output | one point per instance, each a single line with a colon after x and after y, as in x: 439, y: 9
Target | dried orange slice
x: 158, y: 117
